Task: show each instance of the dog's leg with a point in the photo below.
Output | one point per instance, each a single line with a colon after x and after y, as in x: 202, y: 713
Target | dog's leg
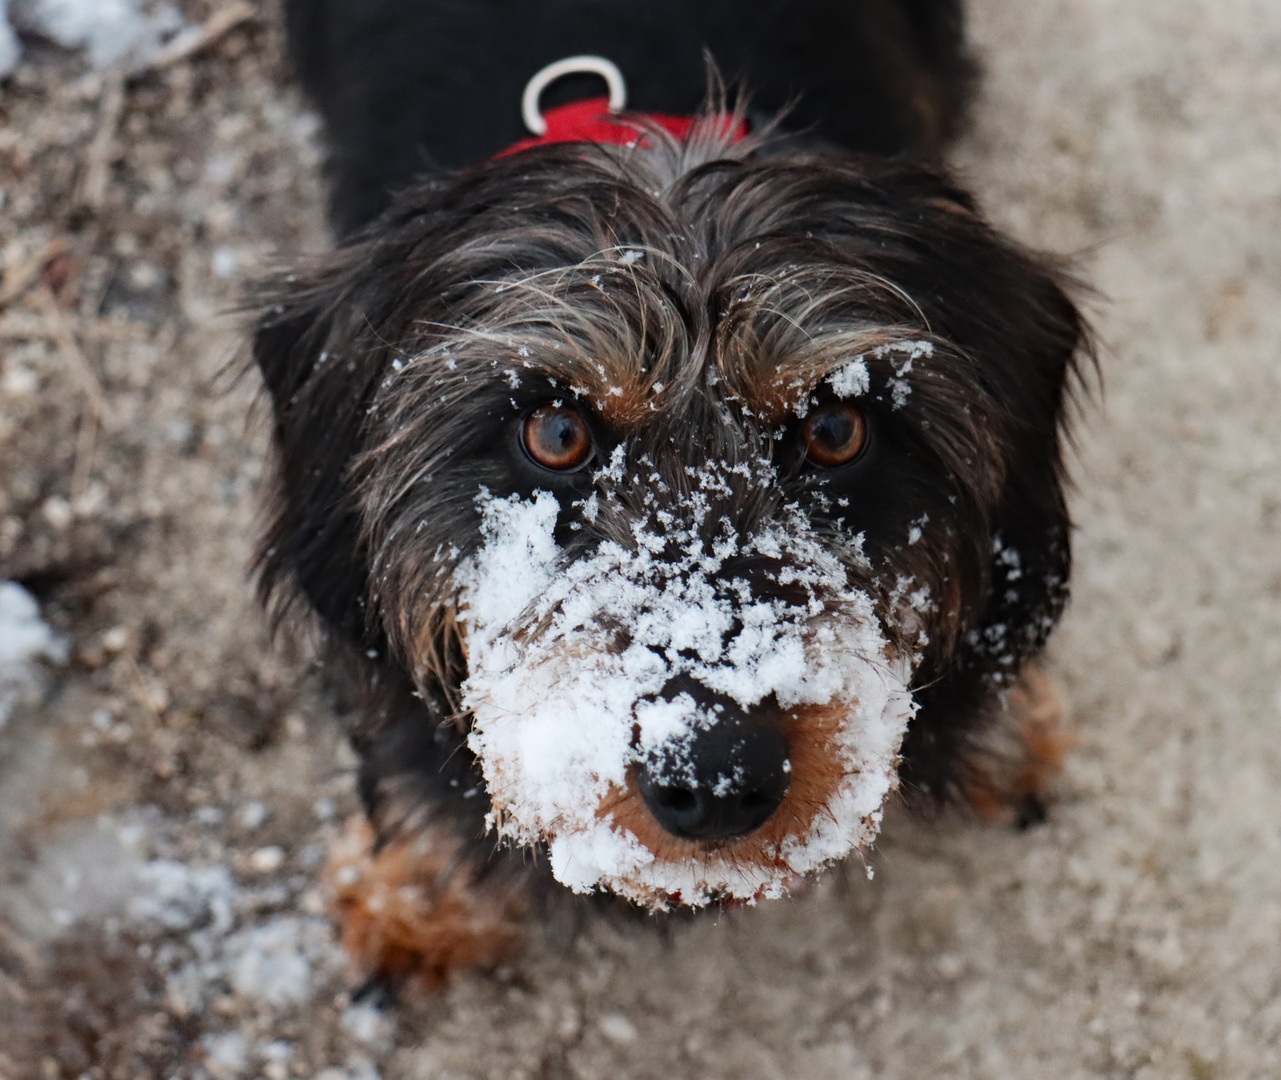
x: 1011, y: 779
x: 414, y: 910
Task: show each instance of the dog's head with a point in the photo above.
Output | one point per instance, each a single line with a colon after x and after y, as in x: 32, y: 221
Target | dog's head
x: 670, y: 471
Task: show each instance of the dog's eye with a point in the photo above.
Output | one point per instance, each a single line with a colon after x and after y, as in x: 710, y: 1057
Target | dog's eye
x: 834, y: 434
x: 557, y: 437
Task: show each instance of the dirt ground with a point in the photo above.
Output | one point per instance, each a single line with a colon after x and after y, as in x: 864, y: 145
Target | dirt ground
x: 165, y: 803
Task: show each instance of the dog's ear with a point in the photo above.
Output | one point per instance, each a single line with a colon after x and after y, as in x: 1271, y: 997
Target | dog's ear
x: 328, y: 333
x: 1013, y: 310
x: 1031, y: 363
x: 308, y: 346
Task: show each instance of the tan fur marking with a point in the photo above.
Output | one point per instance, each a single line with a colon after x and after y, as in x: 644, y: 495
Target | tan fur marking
x: 950, y: 206
x: 1002, y: 782
x: 413, y: 912
x: 438, y: 629
x: 772, y: 390
x: 627, y: 409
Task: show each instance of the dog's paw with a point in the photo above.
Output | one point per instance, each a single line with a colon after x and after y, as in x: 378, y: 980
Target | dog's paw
x: 414, y: 909
x: 1011, y: 780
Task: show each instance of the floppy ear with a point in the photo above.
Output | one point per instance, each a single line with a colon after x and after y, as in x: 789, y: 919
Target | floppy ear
x: 1010, y: 309
x: 322, y: 345
x: 320, y: 381
x: 1031, y: 372
x: 328, y: 334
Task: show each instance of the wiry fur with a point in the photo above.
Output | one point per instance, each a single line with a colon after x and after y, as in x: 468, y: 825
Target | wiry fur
x: 692, y: 297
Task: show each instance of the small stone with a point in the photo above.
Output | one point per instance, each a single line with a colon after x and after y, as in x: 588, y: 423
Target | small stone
x: 19, y: 382
x: 145, y: 276
x: 115, y: 639
x: 253, y: 815
x: 617, y: 1029
x: 225, y: 262
x: 57, y: 512
x: 266, y: 859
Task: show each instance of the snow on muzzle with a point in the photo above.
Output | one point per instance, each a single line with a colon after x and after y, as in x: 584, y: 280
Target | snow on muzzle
x: 673, y: 732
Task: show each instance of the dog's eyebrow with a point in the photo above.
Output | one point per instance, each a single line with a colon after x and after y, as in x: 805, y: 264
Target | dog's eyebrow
x: 900, y: 292
x: 602, y: 353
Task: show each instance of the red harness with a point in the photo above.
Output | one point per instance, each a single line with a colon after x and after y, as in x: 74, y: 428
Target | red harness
x: 591, y: 121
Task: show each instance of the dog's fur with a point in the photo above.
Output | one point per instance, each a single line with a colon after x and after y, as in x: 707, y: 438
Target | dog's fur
x: 767, y: 263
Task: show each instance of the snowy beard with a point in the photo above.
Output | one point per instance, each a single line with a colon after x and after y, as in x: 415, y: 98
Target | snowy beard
x: 564, y: 707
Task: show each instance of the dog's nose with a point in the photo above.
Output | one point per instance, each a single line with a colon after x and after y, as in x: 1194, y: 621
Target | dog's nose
x: 724, y: 782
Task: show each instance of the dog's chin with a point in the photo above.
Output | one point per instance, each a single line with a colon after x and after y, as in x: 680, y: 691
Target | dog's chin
x: 563, y: 717
x: 603, y: 836
x: 844, y: 766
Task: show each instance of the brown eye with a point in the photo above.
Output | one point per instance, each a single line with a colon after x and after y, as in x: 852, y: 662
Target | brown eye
x: 556, y: 437
x: 834, y: 434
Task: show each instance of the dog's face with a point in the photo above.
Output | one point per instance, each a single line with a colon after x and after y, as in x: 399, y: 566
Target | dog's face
x: 670, y: 480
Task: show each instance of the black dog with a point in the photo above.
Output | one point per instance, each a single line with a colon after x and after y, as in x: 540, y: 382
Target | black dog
x: 675, y: 495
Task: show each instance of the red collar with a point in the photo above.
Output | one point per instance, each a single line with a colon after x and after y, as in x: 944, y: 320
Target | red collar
x: 591, y: 121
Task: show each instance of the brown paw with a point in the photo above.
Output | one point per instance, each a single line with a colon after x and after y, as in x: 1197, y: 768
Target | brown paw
x: 1010, y: 780
x: 413, y: 911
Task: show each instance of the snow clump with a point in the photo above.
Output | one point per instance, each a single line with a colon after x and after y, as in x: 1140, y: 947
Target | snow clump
x: 555, y: 699
x: 24, y: 638
x: 10, y: 47
x: 109, y: 31
x: 901, y: 354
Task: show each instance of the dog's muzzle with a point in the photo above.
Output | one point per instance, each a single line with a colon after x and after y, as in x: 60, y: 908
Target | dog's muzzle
x: 679, y: 720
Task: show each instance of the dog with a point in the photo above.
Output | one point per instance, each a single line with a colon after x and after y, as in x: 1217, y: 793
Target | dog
x: 675, y: 480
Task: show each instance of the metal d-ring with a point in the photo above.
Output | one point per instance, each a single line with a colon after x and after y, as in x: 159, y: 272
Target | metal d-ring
x: 571, y: 65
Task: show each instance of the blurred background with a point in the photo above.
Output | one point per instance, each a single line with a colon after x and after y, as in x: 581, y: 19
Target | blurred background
x: 169, y: 779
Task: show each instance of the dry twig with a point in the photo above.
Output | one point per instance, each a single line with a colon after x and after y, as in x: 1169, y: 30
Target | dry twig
x: 198, y: 38
x: 100, y: 154
x: 59, y: 330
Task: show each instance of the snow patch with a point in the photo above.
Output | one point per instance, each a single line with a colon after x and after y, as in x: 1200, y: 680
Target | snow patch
x: 178, y: 896
x: 24, y: 638
x: 901, y: 355
x: 10, y: 47
x: 368, y: 1025
x: 109, y: 31
x: 273, y: 961
x: 226, y: 1053
x: 851, y: 379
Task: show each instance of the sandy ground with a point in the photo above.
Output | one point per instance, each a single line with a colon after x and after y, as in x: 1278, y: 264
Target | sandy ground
x: 165, y: 802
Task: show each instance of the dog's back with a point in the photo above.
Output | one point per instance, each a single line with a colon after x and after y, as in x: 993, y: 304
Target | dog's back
x: 408, y: 88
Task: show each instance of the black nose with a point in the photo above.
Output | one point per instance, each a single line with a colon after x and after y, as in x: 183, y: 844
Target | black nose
x: 724, y: 781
